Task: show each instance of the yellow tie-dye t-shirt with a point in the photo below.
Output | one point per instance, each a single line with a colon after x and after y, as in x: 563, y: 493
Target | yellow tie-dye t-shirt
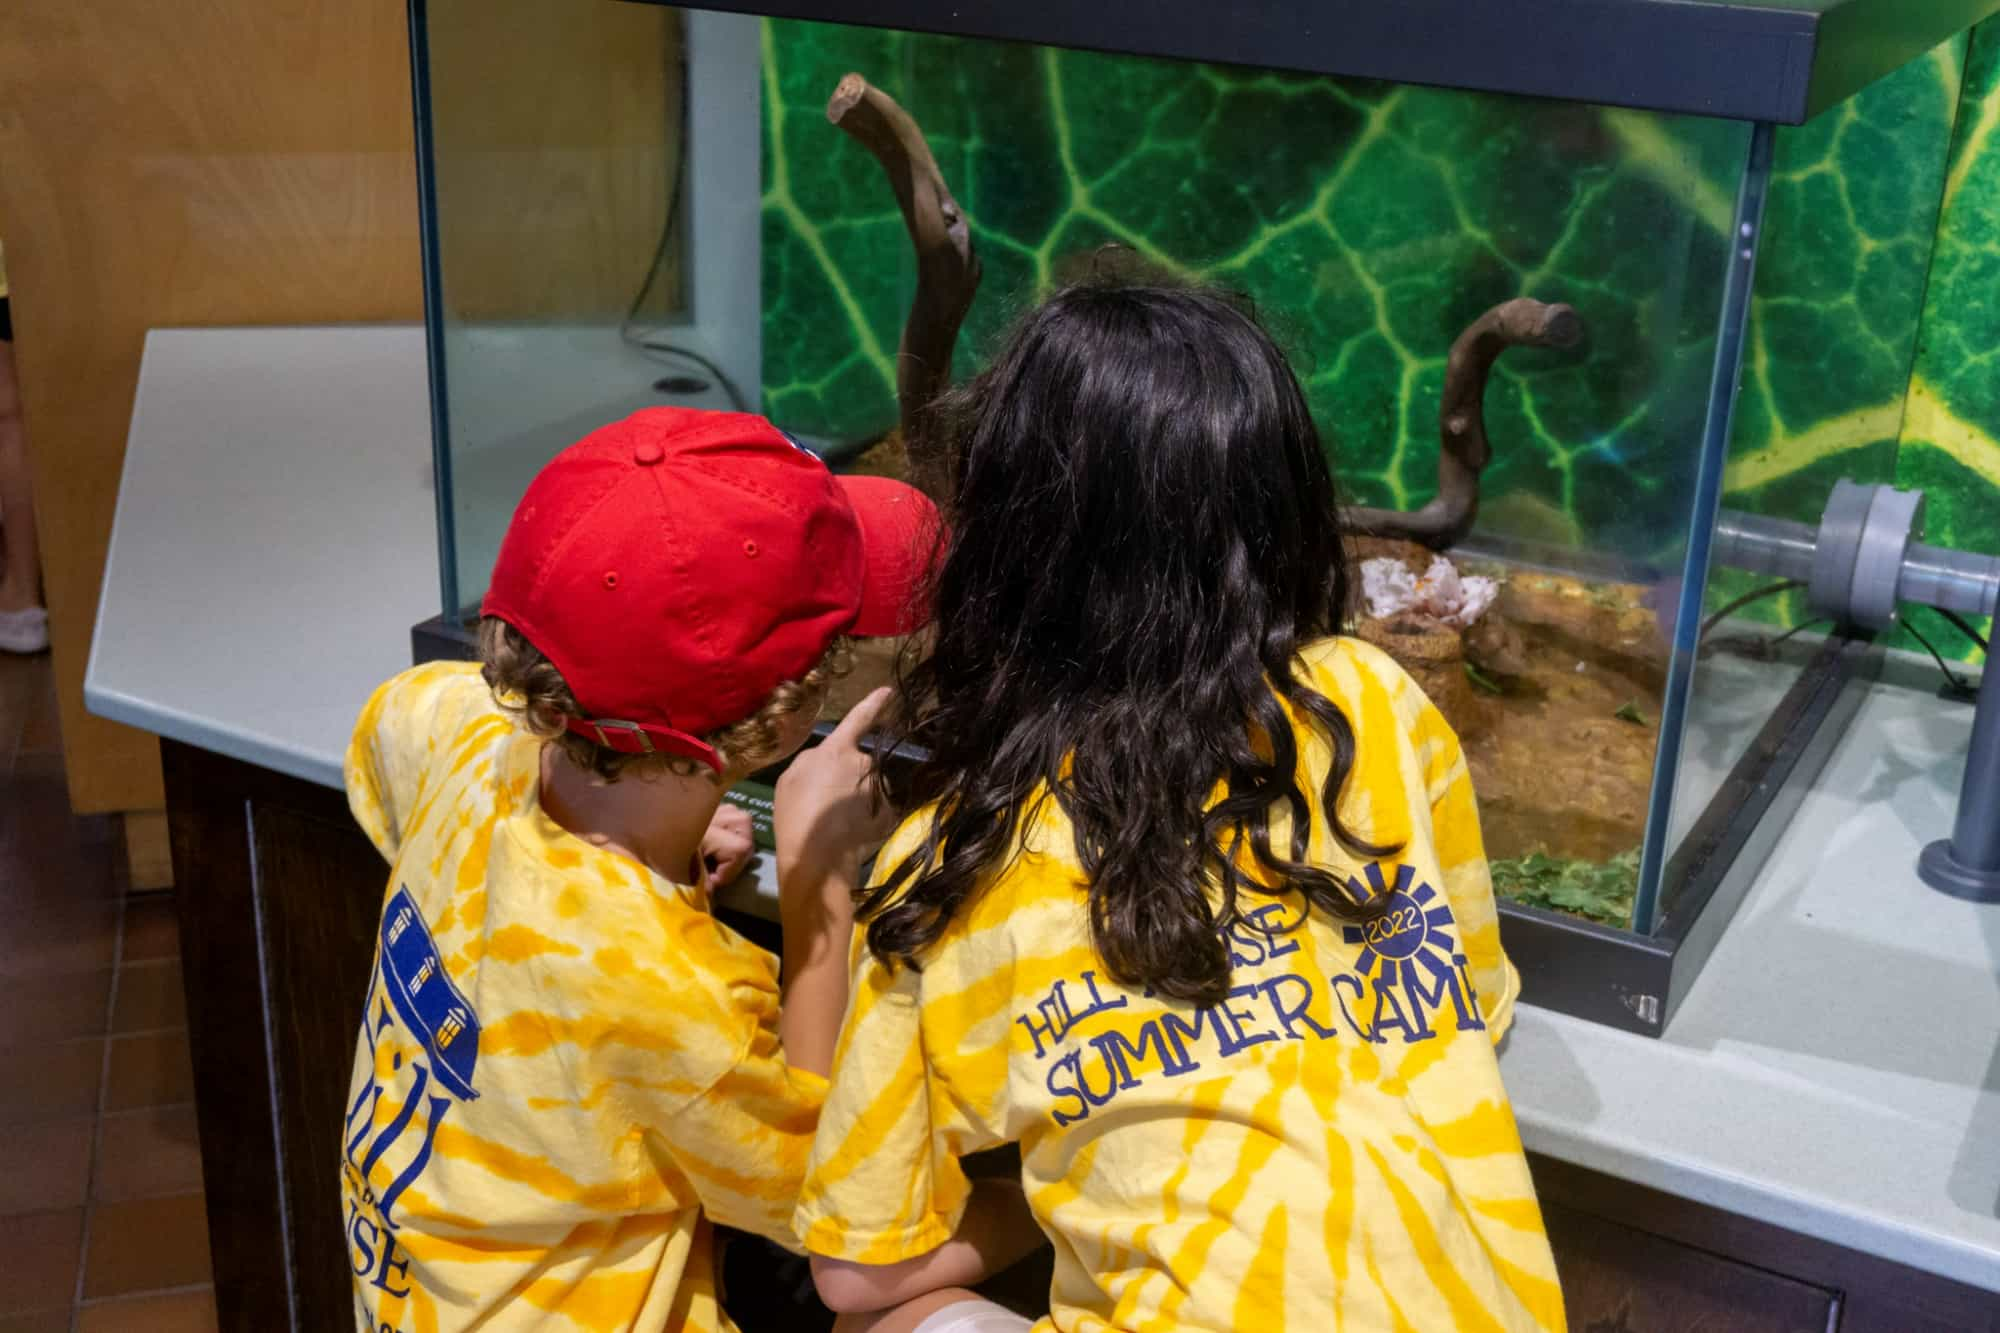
x: 567, y: 1067
x: 1329, y: 1149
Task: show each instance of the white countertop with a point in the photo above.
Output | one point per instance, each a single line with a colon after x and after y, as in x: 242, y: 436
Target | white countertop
x: 1835, y: 1070
x: 1836, y: 1067
x: 276, y: 539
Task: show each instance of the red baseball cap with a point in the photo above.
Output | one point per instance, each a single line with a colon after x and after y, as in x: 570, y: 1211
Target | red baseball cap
x: 679, y: 565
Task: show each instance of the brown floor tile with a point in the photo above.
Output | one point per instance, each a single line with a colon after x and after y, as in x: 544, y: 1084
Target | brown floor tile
x: 150, y: 1152
x: 45, y: 1081
x: 150, y: 1069
x: 60, y: 877
x: 40, y: 768
x: 53, y: 1006
x: 180, y: 1312
x: 24, y: 682
x: 27, y: 671
x: 38, y: 804
x: 41, y: 938
x: 145, y: 1245
x: 41, y: 728
x: 149, y: 997
x: 152, y: 930
x: 38, y: 1257
x: 42, y: 1321
x: 45, y: 1165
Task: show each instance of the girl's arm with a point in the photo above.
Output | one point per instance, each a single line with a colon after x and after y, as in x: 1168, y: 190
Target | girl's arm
x: 816, y: 913
x: 997, y: 1232
x: 824, y: 817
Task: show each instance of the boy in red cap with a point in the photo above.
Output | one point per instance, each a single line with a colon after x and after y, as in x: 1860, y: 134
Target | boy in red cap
x: 567, y: 1068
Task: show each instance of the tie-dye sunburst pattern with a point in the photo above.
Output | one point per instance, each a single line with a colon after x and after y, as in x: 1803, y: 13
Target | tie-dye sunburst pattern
x: 1330, y: 1149
x: 567, y: 1068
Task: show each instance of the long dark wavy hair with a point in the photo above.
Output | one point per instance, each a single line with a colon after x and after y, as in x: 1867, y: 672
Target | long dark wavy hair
x: 1143, y: 536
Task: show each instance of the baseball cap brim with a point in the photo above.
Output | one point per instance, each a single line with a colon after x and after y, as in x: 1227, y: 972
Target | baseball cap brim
x: 901, y: 538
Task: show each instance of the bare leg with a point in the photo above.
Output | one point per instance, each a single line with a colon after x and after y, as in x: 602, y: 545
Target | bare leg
x: 903, y: 1318
x: 21, y: 581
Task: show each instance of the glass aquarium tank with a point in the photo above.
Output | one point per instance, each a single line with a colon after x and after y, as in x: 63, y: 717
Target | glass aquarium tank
x: 1514, y: 259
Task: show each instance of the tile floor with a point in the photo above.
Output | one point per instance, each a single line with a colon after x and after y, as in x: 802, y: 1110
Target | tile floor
x: 101, y: 1221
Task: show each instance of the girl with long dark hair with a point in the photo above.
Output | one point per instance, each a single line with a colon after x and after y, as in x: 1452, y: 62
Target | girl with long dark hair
x: 1193, y: 905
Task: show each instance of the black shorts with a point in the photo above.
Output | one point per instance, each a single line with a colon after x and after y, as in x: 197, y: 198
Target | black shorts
x: 6, y: 321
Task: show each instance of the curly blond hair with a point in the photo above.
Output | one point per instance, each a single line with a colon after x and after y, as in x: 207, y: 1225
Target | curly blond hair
x: 527, y: 685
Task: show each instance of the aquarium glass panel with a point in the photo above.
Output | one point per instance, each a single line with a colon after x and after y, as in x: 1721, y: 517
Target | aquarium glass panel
x: 1372, y: 223
x: 1851, y: 235
x: 593, y: 224
x: 636, y: 204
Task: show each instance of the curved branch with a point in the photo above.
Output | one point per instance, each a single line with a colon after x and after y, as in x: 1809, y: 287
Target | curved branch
x: 947, y: 268
x: 1462, y: 421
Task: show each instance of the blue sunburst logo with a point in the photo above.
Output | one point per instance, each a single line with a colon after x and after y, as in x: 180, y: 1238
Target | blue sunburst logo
x: 1411, y: 932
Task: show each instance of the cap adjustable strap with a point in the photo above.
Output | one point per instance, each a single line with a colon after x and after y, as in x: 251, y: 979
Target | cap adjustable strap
x: 643, y: 738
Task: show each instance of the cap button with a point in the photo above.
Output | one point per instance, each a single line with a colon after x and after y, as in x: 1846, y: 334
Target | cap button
x: 646, y: 454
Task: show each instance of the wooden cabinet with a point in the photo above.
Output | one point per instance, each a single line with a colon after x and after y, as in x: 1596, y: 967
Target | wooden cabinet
x: 1618, y: 1280
x: 279, y: 894
x: 1635, y: 1260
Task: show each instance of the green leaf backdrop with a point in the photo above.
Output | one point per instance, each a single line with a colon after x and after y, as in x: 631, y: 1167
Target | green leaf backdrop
x: 1370, y: 222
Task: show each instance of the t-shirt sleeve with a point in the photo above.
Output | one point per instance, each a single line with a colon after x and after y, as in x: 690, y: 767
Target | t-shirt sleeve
x: 394, y: 738
x: 1468, y: 880
x: 885, y: 1183
x: 744, y: 1141
x: 696, y: 1065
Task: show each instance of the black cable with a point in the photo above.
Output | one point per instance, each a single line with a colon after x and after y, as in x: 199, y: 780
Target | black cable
x: 1956, y: 682
x: 1963, y: 627
x: 658, y: 350
x: 1803, y: 624
x: 1762, y: 649
x: 1755, y: 595
x: 629, y: 329
x: 672, y: 220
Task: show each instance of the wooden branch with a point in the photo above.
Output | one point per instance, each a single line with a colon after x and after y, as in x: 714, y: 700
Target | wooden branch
x: 947, y: 268
x: 1462, y: 421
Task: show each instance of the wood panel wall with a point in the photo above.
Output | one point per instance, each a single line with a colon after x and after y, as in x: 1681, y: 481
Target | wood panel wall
x: 204, y: 162
x: 251, y: 162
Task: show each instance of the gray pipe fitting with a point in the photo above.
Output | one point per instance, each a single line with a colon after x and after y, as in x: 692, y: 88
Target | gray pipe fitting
x: 1861, y: 561
x: 1758, y: 545
x: 1858, y: 558
x: 1863, y: 558
x: 1950, y: 580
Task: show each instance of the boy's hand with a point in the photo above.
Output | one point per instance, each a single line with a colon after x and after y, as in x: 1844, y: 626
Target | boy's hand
x: 826, y: 812
x: 728, y: 845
